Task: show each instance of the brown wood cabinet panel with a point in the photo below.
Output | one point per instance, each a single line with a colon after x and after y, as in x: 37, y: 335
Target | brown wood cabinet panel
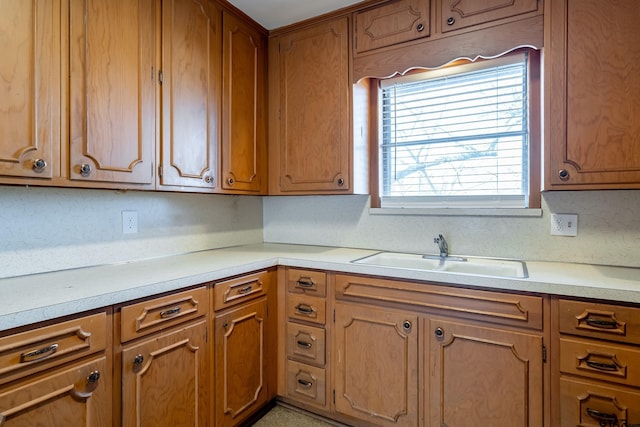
x: 240, y: 362
x: 599, y: 320
x: 592, y: 125
x: 241, y: 289
x: 30, y: 90
x: 244, y: 145
x: 191, y: 93
x: 457, y: 14
x: 307, y: 384
x: 312, y: 112
x: 78, y: 395
x: 165, y: 379
x: 46, y: 347
x: 481, y: 376
x: 587, y: 404
x: 112, y: 92
x: 306, y: 344
x: 391, y: 23
x: 156, y: 314
x: 306, y: 308
x: 376, y: 372
x: 309, y: 282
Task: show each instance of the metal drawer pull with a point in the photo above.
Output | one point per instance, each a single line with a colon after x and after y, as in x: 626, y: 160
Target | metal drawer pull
x: 137, y: 361
x: 170, y: 312
x: 245, y: 290
x: 601, y: 324
x: 305, y: 384
x: 305, y: 282
x: 602, y: 416
x: 304, y: 344
x: 602, y: 366
x: 39, y: 354
x: 93, y: 377
x: 304, y: 309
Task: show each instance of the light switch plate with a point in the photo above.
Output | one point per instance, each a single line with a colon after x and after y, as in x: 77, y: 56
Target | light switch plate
x: 564, y: 225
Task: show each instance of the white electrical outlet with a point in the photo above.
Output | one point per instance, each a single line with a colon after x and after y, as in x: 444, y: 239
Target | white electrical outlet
x: 129, y: 222
x: 564, y: 225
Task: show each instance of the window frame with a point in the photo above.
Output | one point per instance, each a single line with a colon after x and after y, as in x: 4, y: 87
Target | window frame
x: 535, y: 132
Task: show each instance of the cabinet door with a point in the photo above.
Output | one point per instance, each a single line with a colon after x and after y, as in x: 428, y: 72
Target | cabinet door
x: 391, y: 23
x: 79, y: 396
x: 29, y: 88
x: 112, y: 91
x: 243, y: 149
x: 376, y: 358
x: 480, y: 376
x: 240, y: 362
x: 592, y: 125
x: 313, y: 144
x: 165, y: 379
x: 191, y: 82
x: 456, y: 14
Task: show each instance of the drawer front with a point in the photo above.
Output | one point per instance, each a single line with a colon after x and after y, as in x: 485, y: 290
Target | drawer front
x: 306, y: 343
x: 600, y: 361
x: 497, y: 307
x: 589, y: 405
x: 42, y: 348
x: 596, y: 320
x: 235, y: 291
x: 150, y: 316
x: 306, y: 383
x: 307, y: 309
x: 307, y: 282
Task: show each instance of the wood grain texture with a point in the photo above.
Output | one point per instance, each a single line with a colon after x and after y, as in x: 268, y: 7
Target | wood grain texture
x: 456, y: 14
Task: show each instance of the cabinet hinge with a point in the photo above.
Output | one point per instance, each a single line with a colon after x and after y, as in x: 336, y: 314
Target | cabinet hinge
x: 334, y: 397
x: 334, y: 315
x: 160, y: 76
x: 153, y: 171
x: 159, y: 171
x: 544, y: 353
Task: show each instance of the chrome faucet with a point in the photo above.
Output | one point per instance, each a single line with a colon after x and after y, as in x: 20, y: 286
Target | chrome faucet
x: 442, y: 245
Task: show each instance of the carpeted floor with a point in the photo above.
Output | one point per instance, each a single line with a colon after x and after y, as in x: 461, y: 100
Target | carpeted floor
x: 281, y: 416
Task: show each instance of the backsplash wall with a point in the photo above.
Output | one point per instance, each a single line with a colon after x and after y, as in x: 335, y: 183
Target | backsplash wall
x: 45, y: 229
x: 608, y: 228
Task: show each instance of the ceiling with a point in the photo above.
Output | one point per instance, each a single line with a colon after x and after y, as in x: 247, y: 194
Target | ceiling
x: 273, y: 14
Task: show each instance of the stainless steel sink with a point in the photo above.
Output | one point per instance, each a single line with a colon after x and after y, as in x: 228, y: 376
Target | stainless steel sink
x: 478, y: 266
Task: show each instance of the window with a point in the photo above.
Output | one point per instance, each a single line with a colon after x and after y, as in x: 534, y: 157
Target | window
x: 458, y: 136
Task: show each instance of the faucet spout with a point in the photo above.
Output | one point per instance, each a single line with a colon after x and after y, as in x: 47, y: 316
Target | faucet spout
x: 442, y: 245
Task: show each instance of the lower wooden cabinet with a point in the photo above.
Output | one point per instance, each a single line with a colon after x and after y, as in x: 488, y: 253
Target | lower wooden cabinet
x: 483, y: 376
x: 377, y: 365
x: 165, y: 379
x: 240, y: 362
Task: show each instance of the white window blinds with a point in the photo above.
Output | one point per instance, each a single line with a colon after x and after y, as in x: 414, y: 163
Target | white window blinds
x: 457, y: 136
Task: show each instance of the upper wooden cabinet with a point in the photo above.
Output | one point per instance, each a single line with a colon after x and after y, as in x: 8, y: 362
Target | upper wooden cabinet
x: 390, y: 23
x: 30, y: 88
x: 310, y: 109
x: 112, y: 91
x: 592, y: 96
x: 456, y: 14
x: 243, y: 150
x: 191, y: 93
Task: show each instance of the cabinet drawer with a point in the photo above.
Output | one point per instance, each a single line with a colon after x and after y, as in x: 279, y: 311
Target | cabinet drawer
x: 455, y: 15
x: 307, y: 282
x: 306, y: 383
x: 308, y: 309
x: 150, y: 316
x: 306, y: 343
x: 42, y: 348
x: 601, y: 361
x: 587, y: 405
x: 235, y: 291
x: 597, y: 320
x: 496, y: 307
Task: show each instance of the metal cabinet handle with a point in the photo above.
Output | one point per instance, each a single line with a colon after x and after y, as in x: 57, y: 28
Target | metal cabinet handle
x: 406, y: 325
x: 564, y: 175
x: 305, y: 384
x: 39, y: 165
x: 170, y: 312
x: 304, y: 344
x: 439, y: 333
x: 305, y: 309
x: 603, y: 417
x: 208, y: 179
x: 305, y: 282
x: 138, y: 360
x: 420, y: 28
x: 340, y: 182
x: 230, y: 181
x: 93, y: 377
x: 451, y: 20
x: 85, y: 170
x: 245, y: 290
x: 601, y: 366
x: 41, y: 353
x: 601, y: 324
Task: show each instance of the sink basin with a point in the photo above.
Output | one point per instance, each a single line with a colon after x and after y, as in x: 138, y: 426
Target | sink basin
x: 478, y: 266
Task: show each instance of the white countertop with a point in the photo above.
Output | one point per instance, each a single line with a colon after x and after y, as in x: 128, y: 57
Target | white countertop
x: 34, y: 298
